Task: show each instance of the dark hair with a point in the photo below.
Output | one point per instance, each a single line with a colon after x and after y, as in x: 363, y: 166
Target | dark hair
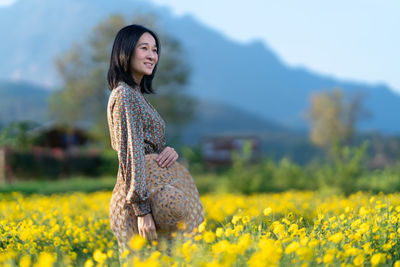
x: 121, y: 55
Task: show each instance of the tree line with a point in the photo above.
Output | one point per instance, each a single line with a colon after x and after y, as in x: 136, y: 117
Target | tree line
x: 83, y: 94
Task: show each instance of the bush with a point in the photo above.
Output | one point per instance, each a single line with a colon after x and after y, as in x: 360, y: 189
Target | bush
x: 267, y: 176
x: 345, y: 172
x: 54, y: 163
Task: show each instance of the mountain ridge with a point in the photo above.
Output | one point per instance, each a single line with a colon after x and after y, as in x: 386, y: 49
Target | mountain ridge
x: 249, y: 76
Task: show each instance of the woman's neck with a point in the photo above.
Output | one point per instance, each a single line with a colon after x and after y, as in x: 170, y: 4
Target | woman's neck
x: 137, y: 78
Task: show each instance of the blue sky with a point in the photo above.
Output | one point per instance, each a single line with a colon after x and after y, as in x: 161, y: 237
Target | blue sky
x: 355, y: 40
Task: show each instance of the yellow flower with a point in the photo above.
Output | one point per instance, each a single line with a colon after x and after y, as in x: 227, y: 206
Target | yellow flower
x: 236, y: 219
x: 125, y: 253
x: 377, y: 258
x: 155, y: 255
x: 293, y: 228
x: 367, y: 248
x: 25, y: 261
x: 243, y: 243
x: 269, y: 255
x: 313, y: 243
x: 387, y: 246
x: 351, y: 251
x: 304, y: 241
x: 137, y: 242
x: 363, y: 211
x: 359, y: 260
x: 202, y: 226
x: 292, y: 247
x: 364, y: 227
x: 267, y: 211
x: 238, y: 228
x: 182, y: 225
x: 305, y: 253
x: 221, y: 246
x: 329, y: 256
x: 46, y: 259
x: 166, y: 259
x: 209, y: 236
x: 229, y: 232
x: 99, y: 256
x: 245, y: 219
x: 336, y: 238
x: 89, y: 263
x: 219, y: 232
x: 277, y: 227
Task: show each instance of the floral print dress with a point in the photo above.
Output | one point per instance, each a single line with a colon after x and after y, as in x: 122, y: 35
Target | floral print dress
x: 136, y: 129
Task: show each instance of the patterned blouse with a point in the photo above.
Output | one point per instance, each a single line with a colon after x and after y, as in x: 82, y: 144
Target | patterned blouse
x: 136, y: 129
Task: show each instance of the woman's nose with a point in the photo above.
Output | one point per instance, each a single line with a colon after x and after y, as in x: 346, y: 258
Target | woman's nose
x: 152, y: 55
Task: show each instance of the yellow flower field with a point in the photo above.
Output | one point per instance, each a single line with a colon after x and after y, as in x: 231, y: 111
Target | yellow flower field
x: 282, y: 229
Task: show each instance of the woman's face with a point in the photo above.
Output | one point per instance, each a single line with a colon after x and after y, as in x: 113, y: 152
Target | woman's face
x: 145, y: 57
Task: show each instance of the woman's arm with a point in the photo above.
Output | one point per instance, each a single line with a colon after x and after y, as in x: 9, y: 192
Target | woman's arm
x: 129, y: 126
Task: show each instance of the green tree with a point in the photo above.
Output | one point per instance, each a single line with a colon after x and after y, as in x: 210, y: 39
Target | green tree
x: 16, y: 135
x: 83, y: 96
x: 334, y: 118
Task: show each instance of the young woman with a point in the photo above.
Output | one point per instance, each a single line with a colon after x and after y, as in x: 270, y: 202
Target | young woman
x: 136, y: 130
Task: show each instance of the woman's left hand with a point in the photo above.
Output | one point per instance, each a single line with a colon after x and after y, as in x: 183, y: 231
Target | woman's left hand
x: 167, y: 157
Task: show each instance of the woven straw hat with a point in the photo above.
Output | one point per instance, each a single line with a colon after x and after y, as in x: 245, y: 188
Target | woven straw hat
x: 175, y: 201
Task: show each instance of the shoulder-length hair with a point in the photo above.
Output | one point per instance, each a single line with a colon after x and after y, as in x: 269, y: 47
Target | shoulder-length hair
x: 121, y: 55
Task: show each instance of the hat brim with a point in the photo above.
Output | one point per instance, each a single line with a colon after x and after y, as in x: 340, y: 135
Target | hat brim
x: 175, y: 200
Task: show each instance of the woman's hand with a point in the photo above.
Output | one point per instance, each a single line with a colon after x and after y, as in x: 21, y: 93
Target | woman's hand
x: 147, y: 227
x: 167, y: 157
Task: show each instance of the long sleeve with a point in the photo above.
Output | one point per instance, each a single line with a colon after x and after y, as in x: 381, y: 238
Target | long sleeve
x: 162, y: 145
x: 129, y: 137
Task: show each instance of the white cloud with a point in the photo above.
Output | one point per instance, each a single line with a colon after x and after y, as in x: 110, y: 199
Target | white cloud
x: 6, y: 2
x: 16, y: 75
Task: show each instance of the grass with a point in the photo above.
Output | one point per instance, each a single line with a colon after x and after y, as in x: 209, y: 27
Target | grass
x: 73, y: 184
x: 206, y: 183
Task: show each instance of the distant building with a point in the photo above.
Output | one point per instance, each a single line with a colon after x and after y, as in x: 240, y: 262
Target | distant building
x: 218, y: 150
x: 54, y: 135
x: 55, y: 151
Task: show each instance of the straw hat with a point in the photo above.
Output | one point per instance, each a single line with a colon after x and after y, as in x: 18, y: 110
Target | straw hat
x: 175, y: 201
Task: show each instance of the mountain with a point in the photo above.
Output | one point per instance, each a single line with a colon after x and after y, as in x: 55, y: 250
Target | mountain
x: 216, y: 118
x: 23, y: 101
x: 252, y: 77
x: 248, y: 76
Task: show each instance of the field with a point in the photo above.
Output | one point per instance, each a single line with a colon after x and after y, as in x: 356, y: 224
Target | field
x: 294, y: 228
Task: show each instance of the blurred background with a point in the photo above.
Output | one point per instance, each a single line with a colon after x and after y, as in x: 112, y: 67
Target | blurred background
x: 259, y: 96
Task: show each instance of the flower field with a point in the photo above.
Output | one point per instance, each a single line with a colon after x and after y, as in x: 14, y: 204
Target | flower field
x: 281, y: 229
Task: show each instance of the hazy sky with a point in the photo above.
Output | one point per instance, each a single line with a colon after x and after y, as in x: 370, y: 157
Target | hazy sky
x: 356, y: 40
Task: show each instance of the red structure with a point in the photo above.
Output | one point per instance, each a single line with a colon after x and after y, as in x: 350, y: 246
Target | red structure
x: 218, y: 150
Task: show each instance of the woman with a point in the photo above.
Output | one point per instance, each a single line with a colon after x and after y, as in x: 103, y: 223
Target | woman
x: 136, y: 129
